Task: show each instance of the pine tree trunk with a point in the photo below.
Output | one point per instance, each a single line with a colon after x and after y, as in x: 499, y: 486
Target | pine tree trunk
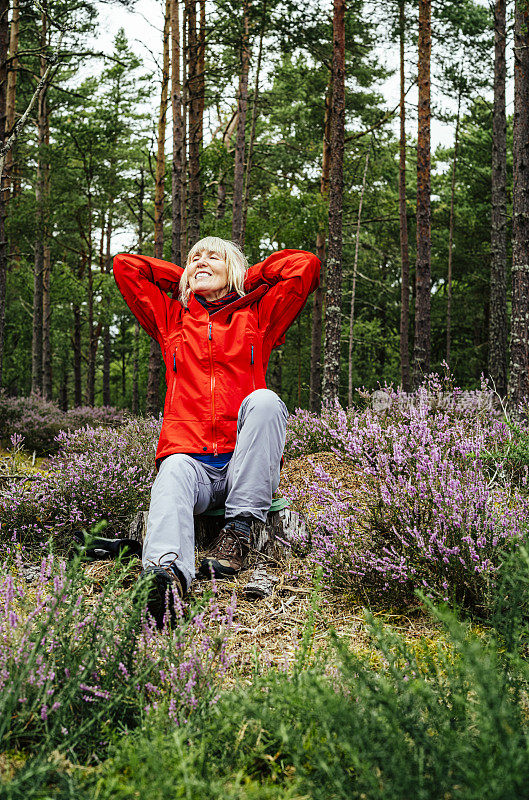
x: 405, y: 376
x: 333, y: 310
x: 46, y: 323
x: 255, y: 111
x: 317, y: 303
x: 4, y: 37
x: 107, y: 350
x: 92, y: 338
x: 177, y: 172
x: 136, y: 345
x: 153, y: 382
x: 519, y: 362
x: 422, y: 270
x: 12, y: 84
x: 498, y: 249
x: 193, y: 202
x: 41, y: 211
x: 238, y: 171
x: 201, y: 91
x: 185, y: 114
x: 353, y: 291
x: 451, y: 236
x: 77, y: 357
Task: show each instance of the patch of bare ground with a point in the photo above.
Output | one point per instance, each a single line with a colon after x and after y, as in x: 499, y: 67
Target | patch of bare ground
x: 267, y: 633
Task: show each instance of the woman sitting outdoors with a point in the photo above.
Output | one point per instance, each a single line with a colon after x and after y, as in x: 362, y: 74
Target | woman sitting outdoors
x: 223, y: 431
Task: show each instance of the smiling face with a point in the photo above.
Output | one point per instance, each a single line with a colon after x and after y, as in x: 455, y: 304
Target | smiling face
x: 208, y: 275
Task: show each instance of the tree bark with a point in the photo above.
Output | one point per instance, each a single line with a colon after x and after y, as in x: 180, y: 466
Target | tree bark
x: 519, y: 362
x: 153, y: 400
x: 41, y: 200
x: 195, y: 140
x: 405, y: 375
x: 422, y: 269
x: 4, y: 36
x: 238, y: 171
x: 12, y: 85
x: 317, y: 303
x: 107, y: 349
x: 177, y: 172
x: 333, y: 312
x: 136, y: 357
x: 451, y: 235
x: 77, y: 357
x: 498, y: 249
x: 92, y: 338
x: 353, y: 292
x: 255, y: 110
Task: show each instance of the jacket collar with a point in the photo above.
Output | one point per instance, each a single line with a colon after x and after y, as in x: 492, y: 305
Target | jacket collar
x: 198, y: 310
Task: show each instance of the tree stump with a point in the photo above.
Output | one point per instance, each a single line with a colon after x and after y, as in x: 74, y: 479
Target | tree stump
x: 273, y: 538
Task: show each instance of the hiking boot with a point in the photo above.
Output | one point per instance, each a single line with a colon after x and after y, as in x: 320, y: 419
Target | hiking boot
x: 229, y: 552
x: 164, y: 583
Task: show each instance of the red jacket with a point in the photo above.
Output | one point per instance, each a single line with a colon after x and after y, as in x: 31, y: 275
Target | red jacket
x: 214, y: 361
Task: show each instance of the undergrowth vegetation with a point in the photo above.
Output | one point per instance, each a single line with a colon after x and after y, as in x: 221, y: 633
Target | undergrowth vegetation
x: 431, y: 721
x: 95, y: 702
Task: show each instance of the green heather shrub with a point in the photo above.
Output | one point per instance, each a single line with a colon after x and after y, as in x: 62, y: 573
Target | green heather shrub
x: 434, y: 721
x: 79, y: 667
x: 40, y: 421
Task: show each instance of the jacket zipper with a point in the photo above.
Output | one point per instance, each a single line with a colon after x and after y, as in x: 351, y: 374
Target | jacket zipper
x: 212, y: 385
x: 253, y: 369
x: 173, y: 388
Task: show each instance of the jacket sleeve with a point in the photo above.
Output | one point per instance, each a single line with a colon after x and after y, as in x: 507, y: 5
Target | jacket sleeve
x: 291, y: 276
x: 144, y: 283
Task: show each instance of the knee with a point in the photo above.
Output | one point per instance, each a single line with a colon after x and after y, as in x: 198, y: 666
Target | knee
x: 265, y: 403
x: 177, y: 467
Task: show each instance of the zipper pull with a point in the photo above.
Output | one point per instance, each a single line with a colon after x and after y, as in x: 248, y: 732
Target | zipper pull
x: 174, y: 361
x: 251, y: 360
x: 209, y: 330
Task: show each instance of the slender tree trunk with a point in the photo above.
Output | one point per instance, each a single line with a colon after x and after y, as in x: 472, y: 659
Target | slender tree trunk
x: 498, y: 248
x: 238, y: 172
x: 333, y: 310
x: 154, y: 356
x: 353, y: 292
x: 107, y: 350
x: 185, y: 126
x: 136, y: 358
x: 422, y: 269
x: 193, y: 202
x: 92, y: 338
x: 317, y: 303
x: 177, y: 172
x: 451, y: 234
x: 201, y: 89
x: 405, y: 376
x: 255, y: 111
x: 46, y: 322
x: 4, y: 36
x: 41, y: 203
x: 519, y: 362
x: 12, y: 84
x: 77, y: 357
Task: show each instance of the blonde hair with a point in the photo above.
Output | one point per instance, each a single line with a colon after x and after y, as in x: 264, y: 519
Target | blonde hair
x: 233, y: 256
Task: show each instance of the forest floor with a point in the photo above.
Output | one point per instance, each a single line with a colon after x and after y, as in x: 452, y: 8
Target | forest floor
x: 268, y: 632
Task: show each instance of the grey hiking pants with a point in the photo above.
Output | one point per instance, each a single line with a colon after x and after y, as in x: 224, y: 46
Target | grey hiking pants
x: 185, y: 486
